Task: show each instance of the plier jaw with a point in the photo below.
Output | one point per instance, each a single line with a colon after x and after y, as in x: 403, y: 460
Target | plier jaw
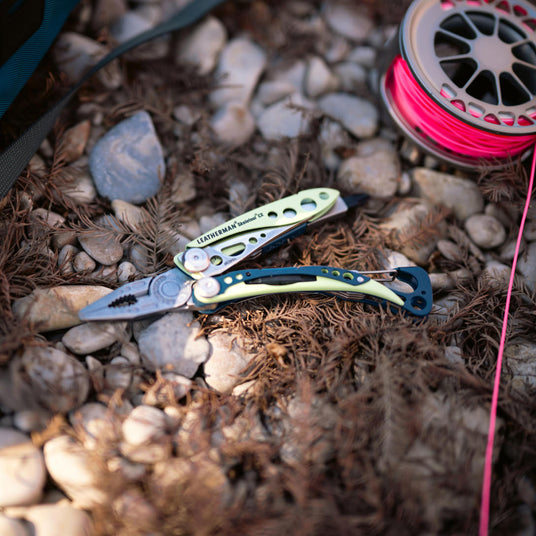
x: 146, y: 297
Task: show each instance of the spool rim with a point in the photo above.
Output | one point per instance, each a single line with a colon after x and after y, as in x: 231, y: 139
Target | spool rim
x: 476, y: 59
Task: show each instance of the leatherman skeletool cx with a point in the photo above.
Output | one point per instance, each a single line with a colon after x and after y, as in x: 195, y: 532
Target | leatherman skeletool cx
x: 200, y: 280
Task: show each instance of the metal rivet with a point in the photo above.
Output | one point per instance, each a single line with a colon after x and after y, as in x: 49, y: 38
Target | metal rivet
x: 196, y: 260
x: 207, y: 287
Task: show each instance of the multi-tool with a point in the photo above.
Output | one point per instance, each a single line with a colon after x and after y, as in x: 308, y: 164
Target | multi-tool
x: 201, y: 281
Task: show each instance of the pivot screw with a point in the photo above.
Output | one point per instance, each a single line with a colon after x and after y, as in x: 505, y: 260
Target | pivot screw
x: 207, y: 287
x: 196, y: 260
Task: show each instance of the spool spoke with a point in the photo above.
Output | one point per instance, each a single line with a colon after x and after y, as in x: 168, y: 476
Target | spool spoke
x: 473, y: 26
x: 457, y: 37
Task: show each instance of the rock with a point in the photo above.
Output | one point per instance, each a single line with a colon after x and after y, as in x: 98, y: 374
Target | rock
x: 233, y: 124
x: 485, y: 231
x: 102, y: 246
x: 496, y: 272
x: 376, y: 174
x: 65, y: 258
x: 73, y: 141
x: 185, y: 115
x: 203, y: 45
x: 40, y: 217
x: 83, y: 263
x: 105, y: 12
x: 173, y: 344
x: 125, y: 272
x: 183, y: 188
x: 293, y: 75
x: 94, y: 424
x: 22, y: 471
x: 526, y: 265
x: 94, y: 336
x: 31, y: 420
x: 12, y: 527
x: 75, y: 54
x: 285, y: 119
x: 332, y: 137
x: 448, y: 281
x: 56, y: 380
x: 239, y: 68
x: 406, y: 216
x: 56, y: 519
x: 454, y: 355
x: 225, y: 363
x: 70, y: 466
x: 130, y: 214
x: 118, y: 374
x: 127, y: 162
x: 273, y: 91
x: 139, y: 256
x: 348, y: 19
x: 357, y: 115
x: 319, y: 79
x: 364, y: 55
x: 352, y: 77
x: 168, y: 388
x: 460, y: 195
x: 81, y: 188
x: 144, y: 434
x: 450, y: 250
x: 135, y: 510
x: 529, y: 231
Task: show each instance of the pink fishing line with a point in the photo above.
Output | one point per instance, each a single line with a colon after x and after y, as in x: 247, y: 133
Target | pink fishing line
x: 486, y: 481
x: 446, y: 130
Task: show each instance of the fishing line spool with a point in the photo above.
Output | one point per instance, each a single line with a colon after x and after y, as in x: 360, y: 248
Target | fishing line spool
x: 459, y: 80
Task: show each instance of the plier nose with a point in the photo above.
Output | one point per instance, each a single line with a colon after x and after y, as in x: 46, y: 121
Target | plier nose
x: 145, y: 297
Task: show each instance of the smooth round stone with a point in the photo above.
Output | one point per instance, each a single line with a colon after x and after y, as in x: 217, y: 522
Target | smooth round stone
x: 357, y: 115
x: 130, y: 214
x: 319, y: 79
x: 59, y: 519
x: 173, y: 344
x: 127, y: 162
x: 82, y: 263
x: 57, y: 307
x: 71, y: 468
x: 233, y: 124
x: 227, y: 360
x: 284, y: 119
x: 102, y: 247
x: 144, y: 424
x: 239, y: 68
x: 118, y: 373
x: 81, y: 189
x: 57, y: 380
x: 93, y: 422
x: 125, y: 271
x: 203, y: 45
x: 460, y: 195
x: 526, y: 265
x: 94, y: 336
x: 22, y: 471
x: 349, y: 20
x: 73, y: 141
x: 183, y: 188
x: 175, y: 384
x: 485, y: 231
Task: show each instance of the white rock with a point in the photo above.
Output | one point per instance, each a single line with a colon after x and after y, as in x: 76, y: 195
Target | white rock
x: 183, y: 188
x: 460, y: 195
x: 233, y: 124
x: 186, y: 115
x: 294, y: 75
x: 332, y: 137
x: 130, y: 214
x: 143, y: 425
x: 31, y: 420
x: 239, y: 68
x: 376, y: 174
x: 285, y: 119
x: 526, y: 265
x: 520, y: 357
x: 485, y: 231
x: 529, y: 232
x: 352, y: 76
x: 56, y: 519
x: 348, y: 19
x: 22, y: 471
x: 173, y: 344
x: 497, y: 272
x: 70, y: 466
x: 364, y: 55
x: 75, y: 54
x: 93, y: 422
x: 319, y: 79
x: 118, y: 374
x: 171, y: 386
x: 357, y: 115
x: 93, y: 336
x: 125, y: 271
x: 102, y: 246
x: 57, y: 381
x: 12, y: 527
x: 208, y: 222
x: 203, y: 45
x: 272, y: 91
x: 226, y: 361
x: 65, y: 258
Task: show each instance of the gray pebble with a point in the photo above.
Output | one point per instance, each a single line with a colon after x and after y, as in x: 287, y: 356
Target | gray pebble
x: 348, y: 19
x: 357, y: 115
x: 93, y: 336
x: 485, y: 231
x: 125, y: 271
x: 83, y: 263
x: 319, y: 79
x: 127, y: 162
x: 284, y: 119
x: 172, y: 343
x: 233, y: 124
x: 102, y: 246
x: 526, y: 265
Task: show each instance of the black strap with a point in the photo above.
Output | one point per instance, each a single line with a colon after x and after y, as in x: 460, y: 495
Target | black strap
x: 14, y: 159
